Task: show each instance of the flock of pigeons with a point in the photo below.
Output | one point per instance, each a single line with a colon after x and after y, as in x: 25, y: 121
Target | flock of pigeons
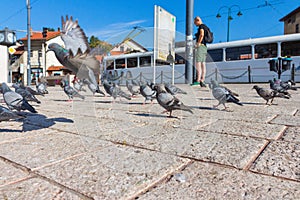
x: 18, y: 99
x: 77, y: 56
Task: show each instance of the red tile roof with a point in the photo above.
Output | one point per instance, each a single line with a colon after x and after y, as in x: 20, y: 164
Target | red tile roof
x: 55, y: 68
x: 39, y: 35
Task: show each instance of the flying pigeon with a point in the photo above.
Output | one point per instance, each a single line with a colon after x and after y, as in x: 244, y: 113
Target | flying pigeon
x: 147, y: 92
x: 25, y: 94
x: 133, y: 89
x: 168, y: 101
x: 172, y: 89
x: 114, y: 90
x: 14, y: 100
x: 76, y: 54
x: 223, y: 95
x: 6, y: 114
x: 69, y: 90
x: 268, y: 94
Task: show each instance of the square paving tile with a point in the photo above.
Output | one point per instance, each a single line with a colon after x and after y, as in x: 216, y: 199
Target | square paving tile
x: 113, y: 172
x: 8, y: 173
x: 45, y: 149
x: 221, y: 148
x: 35, y: 188
x: 260, y: 130
x: 287, y: 120
x: 208, y: 181
x: 292, y: 134
x: 281, y: 159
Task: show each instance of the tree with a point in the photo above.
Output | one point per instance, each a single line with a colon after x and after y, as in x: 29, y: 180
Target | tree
x: 94, y: 42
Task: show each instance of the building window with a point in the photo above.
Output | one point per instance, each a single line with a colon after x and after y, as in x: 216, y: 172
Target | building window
x: 215, y: 55
x: 290, y: 48
x: 120, y: 63
x: 297, y: 28
x: 238, y: 53
x: 131, y: 62
x: 122, y: 48
x: 266, y: 51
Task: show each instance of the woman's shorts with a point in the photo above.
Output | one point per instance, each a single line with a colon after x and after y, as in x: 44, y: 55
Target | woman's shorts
x: 201, y: 53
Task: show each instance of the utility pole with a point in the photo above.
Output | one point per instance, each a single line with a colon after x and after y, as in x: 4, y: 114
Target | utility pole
x: 28, y: 43
x: 189, y: 41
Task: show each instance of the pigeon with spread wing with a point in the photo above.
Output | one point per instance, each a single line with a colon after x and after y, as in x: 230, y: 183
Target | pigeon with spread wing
x: 76, y: 54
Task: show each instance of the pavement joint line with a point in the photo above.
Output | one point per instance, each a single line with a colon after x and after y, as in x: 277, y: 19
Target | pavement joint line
x: 279, y: 177
x: 295, y: 112
x: 255, y: 157
x: 164, y: 178
x: 236, y: 134
x: 272, y: 118
x: 280, y: 134
x: 30, y: 176
x: 69, y: 158
x: 33, y: 174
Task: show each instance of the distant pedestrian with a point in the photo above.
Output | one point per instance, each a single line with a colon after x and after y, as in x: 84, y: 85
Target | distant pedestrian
x: 201, y: 52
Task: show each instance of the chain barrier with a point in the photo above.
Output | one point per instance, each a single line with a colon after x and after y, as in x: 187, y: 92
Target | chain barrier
x: 234, y: 77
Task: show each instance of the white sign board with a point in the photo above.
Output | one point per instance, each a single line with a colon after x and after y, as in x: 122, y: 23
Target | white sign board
x: 164, y: 34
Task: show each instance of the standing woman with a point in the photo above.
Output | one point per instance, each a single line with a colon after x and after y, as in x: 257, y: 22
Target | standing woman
x: 201, y: 52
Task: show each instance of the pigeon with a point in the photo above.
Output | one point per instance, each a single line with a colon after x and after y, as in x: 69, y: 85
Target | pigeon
x: 41, y: 87
x: 6, y: 114
x: 135, y: 82
x: 76, y: 54
x: 223, y: 95
x: 25, y: 94
x: 288, y: 85
x: 168, y: 101
x: 215, y: 83
x: 147, y: 92
x: 15, y: 101
x: 268, y: 94
x: 69, y: 90
x: 78, y: 84
x: 172, y: 89
x: 114, y: 90
x: 278, y: 88
x: 133, y: 89
x: 93, y: 87
x: 29, y: 89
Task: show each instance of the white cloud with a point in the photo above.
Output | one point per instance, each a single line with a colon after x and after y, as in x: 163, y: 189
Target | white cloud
x: 116, y: 29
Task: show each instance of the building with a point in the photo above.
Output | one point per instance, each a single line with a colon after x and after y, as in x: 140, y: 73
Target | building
x: 4, y: 75
x: 43, y: 63
x: 129, y: 46
x: 291, y: 22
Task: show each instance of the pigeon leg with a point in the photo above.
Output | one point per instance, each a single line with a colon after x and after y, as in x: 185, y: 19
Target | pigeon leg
x: 170, y: 113
x: 215, y: 106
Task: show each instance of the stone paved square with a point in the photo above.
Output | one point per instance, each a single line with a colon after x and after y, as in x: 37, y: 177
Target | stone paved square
x: 100, y: 149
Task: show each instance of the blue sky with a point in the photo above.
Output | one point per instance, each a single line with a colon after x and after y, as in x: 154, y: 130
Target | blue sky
x: 106, y: 19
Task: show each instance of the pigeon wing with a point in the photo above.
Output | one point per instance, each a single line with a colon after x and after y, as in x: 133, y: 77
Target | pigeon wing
x: 74, y: 37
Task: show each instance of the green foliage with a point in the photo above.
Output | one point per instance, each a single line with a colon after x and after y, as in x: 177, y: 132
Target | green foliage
x: 94, y: 42
x: 51, y: 29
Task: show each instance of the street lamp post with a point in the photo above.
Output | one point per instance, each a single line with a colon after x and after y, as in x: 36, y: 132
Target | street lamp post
x: 229, y: 17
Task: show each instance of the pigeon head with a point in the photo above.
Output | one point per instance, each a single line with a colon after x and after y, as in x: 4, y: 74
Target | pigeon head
x: 214, y: 83
x: 160, y: 88
x: 5, y: 88
x: 255, y: 87
x: 55, y: 47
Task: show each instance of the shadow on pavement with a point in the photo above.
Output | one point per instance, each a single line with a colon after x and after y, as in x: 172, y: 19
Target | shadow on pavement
x: 35, y: 121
